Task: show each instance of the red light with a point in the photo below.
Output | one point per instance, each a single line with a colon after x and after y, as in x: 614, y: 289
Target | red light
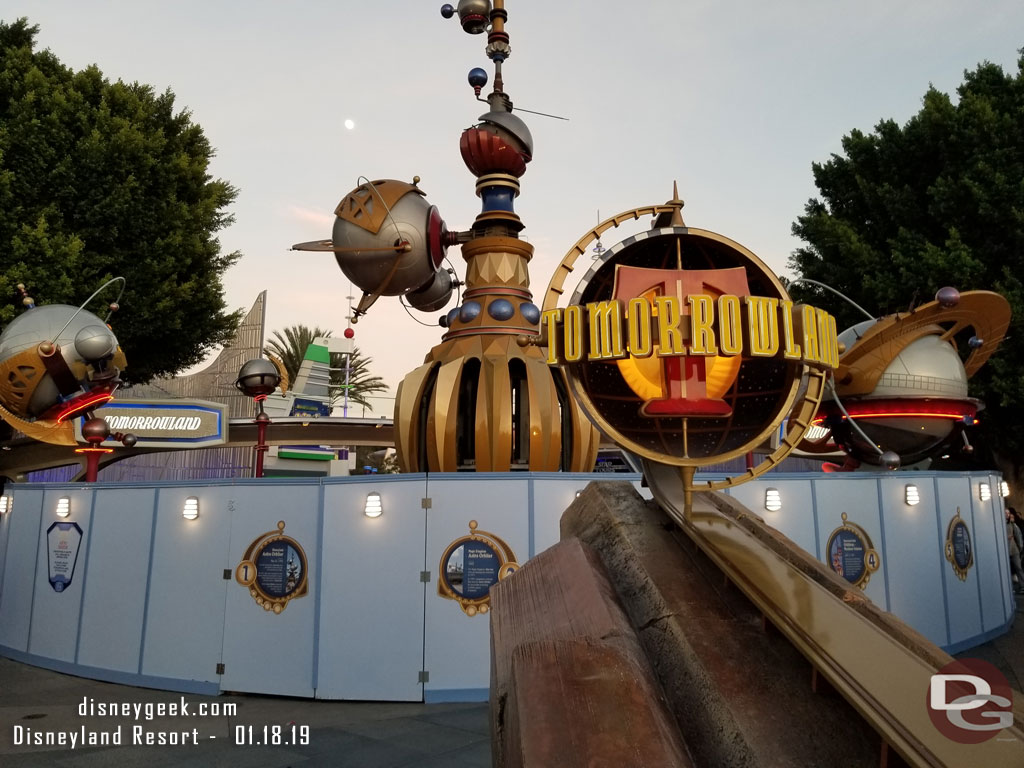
x: 954, y: 410
x: 83, y: 403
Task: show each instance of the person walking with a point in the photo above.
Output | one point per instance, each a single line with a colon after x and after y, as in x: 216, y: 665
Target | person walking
x: 1015, y: 541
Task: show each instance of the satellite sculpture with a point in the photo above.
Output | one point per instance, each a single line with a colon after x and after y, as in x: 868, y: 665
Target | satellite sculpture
x: 482, y: 400
x: 679, y: 343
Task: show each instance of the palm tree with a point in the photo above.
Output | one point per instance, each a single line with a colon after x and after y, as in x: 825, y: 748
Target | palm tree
x: 361, y: 383
x: 289, y: 346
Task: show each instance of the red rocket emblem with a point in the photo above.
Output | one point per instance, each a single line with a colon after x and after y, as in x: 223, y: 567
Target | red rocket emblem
x: 683, y: 385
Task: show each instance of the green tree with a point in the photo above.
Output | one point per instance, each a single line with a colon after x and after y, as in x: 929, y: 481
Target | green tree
x: 289, y: 346
x: 102, y: 179
x: 938, y: 201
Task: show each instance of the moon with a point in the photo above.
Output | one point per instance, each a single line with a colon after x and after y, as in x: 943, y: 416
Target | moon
x: 350, y: 124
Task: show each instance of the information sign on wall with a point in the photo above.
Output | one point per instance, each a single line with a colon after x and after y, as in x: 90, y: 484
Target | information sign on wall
x: 62, y: 542
x: 275, y: 570
x: 851, y: 555
x: 959, y: 550
x: 471, y: 565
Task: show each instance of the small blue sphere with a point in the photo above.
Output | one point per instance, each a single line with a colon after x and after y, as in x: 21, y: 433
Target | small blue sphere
x: 470, y: 311
x: 530, y: 312
x: 447, y: 10
x: 450, y: 317
x: 501, y: 309
x: 974, y: 342
x: 477, y: 77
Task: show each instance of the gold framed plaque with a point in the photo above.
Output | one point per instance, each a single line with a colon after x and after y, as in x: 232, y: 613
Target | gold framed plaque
x: 274, y: 569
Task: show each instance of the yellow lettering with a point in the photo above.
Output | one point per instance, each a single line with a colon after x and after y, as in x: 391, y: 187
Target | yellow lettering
x: 572, y: 330
x: 702, y: 315
x: 605, y: 330
x: 824, y: 342
x: 791, y: 350
x: 670, y: 337
x: 762, y: 314
x: 729, y: 325
x: 639, y: 315
x: 810, y: 327
x: 549, y: 327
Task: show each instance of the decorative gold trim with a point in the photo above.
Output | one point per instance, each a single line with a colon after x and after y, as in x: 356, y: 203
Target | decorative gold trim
x: 247, y: 574
x: 872, y: 560
x: 960, y: 570
x: 446, y: 582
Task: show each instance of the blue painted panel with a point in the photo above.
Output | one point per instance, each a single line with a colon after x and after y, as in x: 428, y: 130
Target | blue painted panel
x: 991, y: 565
x: 371, y: 605
x: 266, y: 652
x: 913, y: 557
x: 54, y: 631
x: 796, y: 517
x: 187, y: 586
x: 20, y: 567
x: 961, y: 603
x: 115, y: 580
x: 858, y: 498
x: 457, y: 646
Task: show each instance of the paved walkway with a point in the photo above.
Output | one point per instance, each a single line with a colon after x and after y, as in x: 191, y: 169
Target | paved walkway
x: 36, y: 703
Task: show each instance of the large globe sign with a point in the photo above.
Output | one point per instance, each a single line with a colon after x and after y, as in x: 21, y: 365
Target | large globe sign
x: 684, y: 348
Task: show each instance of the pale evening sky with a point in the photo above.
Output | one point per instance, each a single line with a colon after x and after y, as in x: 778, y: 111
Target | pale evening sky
x: 734, y: 100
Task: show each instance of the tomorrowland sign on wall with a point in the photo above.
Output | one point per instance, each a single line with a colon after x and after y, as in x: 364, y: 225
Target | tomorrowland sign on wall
x: 166, y: 423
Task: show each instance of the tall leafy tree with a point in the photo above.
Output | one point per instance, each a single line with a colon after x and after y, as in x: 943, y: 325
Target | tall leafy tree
x: 938, y: 201
x: 101, y: 179
x: 289, y: 346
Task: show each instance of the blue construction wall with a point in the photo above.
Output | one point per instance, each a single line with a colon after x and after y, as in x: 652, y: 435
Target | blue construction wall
x: 154, y: 601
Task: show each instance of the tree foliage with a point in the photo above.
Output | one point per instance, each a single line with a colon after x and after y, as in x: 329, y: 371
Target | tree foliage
x: 938, y: 201
x: 102, y: 179
x: 289, y: 346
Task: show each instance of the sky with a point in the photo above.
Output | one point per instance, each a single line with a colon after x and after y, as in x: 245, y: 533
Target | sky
x: 732, y: 100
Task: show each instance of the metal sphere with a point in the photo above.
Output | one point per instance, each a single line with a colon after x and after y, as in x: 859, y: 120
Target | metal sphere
x: 43, y: 330
x: 974, y: 342
x: 477, y: 77
x: 443, y: 321
x: 501, y: 309
x: 451, y: 317
x: 95, y: 430
x: 434, y: 295
x: 386, y: 221
x: 511, y: 128
x: 258, y: 377
x: 95, y: 342
x: 947, y: 297
x: 474, y: 15
x: 889, y: 460
x: 530, y: 312
x: 447, y: 10
x: 469, y: 311
x: 129, y: 440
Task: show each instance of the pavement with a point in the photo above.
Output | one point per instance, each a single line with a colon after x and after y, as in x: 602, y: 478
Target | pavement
x: 40, y: 704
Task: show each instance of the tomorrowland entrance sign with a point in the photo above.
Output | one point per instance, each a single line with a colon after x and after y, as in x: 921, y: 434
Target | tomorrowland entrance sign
x: 166, y: 423
x: 684, y: 348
